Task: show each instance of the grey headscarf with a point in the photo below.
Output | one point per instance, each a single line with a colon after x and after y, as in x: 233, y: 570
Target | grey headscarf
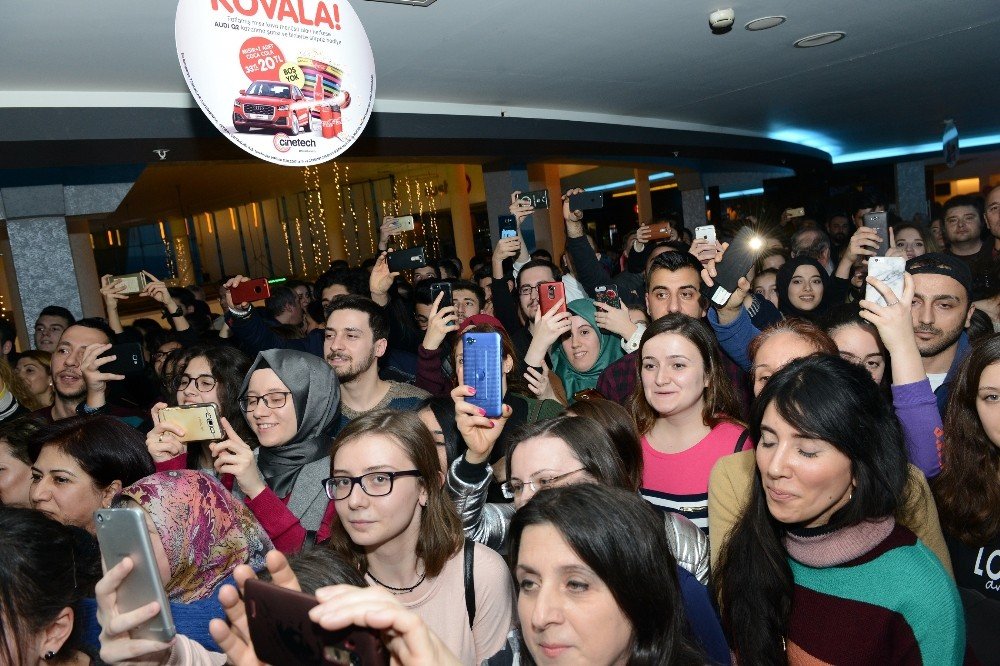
x: 316, y: 398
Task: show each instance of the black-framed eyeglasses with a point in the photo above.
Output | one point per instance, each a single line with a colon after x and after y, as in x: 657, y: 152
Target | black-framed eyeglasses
x: 203, y: 383
x: 273, y: 400
x: 375, y: 484
x: 513, y: 489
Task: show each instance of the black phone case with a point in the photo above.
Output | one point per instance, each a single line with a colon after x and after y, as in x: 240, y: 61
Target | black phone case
x: 282, y: 633
x: 508, y: 226
x: 538, y: 198
x: 402, y: 260
x: 880, y: 223
x: 586, y: 201
x: 736, y: 263
x: 445, y: 287
x: 129, y: 359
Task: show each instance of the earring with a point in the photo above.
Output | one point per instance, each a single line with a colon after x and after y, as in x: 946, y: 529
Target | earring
x: 48, y: 656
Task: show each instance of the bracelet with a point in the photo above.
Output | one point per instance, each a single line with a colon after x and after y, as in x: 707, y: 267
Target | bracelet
x: 179, y: 312
x: 537, y: 368
x: 240, y: 314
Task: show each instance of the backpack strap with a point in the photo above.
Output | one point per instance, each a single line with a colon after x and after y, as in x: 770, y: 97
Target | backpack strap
x: 741, y: 442
x: 470, y: 583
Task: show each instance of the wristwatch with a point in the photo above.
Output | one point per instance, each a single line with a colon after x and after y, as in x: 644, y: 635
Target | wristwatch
x: 179, y: 312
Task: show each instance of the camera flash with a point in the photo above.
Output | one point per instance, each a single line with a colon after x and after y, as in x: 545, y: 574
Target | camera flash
x: 756, y: 243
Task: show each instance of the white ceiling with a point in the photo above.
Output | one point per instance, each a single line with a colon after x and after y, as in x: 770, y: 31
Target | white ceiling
x: 904, y: 67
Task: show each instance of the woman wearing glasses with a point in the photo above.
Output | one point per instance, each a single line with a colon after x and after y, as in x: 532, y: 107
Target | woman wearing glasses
x: 290, y: 399
x: 399, y: 528
x: 205, y: 374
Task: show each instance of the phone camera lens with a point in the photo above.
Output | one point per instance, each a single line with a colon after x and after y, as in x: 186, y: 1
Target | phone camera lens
x: 100, y: 518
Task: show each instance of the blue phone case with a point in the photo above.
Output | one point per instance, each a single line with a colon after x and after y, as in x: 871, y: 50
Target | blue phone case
x: 482, y: 355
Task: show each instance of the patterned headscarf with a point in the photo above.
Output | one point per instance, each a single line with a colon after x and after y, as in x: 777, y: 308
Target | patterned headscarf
x: 205, y: 531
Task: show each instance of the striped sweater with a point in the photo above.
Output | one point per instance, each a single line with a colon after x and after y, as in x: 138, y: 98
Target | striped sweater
x: 871, y: 594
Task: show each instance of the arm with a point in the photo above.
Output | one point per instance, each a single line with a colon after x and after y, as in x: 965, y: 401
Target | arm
x: 113, y: 291
x: 278, y: 521
x: 587, y: 268
x: 253, y: 336
x: 494, y: 602
x: 158, y: 291
x: 735, y: 337
x: 728, y: 488
x: 430, y: 376
x: 505, y: 306
x: 482, y: 522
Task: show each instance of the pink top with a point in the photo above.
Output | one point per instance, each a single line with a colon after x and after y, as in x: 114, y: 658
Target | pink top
x: 678, y: 482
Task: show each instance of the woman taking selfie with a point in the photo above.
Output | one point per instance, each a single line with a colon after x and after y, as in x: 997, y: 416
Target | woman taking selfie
x: 290, y: 399
x: 590, y: 589
x: 817, y: 569
x: 398, y: 527
x: 971, y: 469
x: 205, y: 374
x: 682, y: 408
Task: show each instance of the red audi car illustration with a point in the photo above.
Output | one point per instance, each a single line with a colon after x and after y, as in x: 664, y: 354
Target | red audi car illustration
x: 272, y: 105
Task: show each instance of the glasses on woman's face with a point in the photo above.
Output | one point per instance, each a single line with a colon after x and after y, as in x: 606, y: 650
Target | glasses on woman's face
x: 375, y: 484
x: 275, y: 400
x: 514, y: 489
x: 203, y: 383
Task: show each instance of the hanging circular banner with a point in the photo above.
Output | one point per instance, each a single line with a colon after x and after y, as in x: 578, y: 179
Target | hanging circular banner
x: 289, y: 81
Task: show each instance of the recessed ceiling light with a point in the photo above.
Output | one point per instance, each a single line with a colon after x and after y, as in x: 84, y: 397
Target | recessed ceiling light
x: 765, y: 22
x: 414, y: 3
x: 820, y: 39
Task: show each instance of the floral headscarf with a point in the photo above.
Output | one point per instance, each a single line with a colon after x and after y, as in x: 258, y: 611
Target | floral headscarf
x: 205, y: 531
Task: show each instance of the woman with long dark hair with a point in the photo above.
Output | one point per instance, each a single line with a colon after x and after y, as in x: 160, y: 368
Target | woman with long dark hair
x: 817, y: 568
x: 968, y: 490
x: 585, y: 559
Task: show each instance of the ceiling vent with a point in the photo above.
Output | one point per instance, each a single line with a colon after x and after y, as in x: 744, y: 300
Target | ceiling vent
x: 820, y: 39
x: 765, y: 22
x: 412, y: 3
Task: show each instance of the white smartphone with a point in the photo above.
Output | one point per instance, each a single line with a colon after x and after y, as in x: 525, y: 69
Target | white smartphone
x: 707, y: 232
x: 122, y: 533
x: 889, y: 270
x: 404, y: 223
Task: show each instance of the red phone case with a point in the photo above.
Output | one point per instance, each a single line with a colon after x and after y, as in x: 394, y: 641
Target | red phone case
x: 549, y: 293
x: 248, y: 292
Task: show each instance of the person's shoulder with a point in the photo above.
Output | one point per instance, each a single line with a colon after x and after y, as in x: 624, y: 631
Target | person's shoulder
x: 402, y: 390
x: 728, y: 429
x: 735, y: 466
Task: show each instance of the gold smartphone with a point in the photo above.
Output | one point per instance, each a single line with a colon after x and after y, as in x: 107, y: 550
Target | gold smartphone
x: 134, y: 282
x: 200, y: 421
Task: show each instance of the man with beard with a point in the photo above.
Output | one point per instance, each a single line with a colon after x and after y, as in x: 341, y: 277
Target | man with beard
x: 941, y: 311
x: 839, y: 229
x: 965, y: 229
x: 356, y: 335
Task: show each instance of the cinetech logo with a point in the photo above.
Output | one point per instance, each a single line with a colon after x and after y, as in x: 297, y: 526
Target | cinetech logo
x: 281, y: 142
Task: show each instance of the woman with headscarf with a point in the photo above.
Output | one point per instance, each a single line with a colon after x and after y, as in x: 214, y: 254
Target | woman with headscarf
x: 806, y: 290
x: 578, y: 348
x: 290, y: 399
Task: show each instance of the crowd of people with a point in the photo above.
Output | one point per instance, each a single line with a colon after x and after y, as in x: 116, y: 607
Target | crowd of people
x: 800, y: 474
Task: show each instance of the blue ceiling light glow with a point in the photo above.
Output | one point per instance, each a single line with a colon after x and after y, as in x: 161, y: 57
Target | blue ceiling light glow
x: 901, y: 151
x: 806, y: 138
x: 756, y: 191
x: 628, y: 183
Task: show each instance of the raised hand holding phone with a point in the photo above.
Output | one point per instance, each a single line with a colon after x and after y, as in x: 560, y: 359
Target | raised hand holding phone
x: 440, y: 322
x: 895, y: 327
x: 479, y: 432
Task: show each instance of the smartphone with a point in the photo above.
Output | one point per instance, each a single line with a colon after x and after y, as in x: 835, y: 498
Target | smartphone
x: 404, y: 259
x: 608, y: 294
x: 122, y: 533
x: 250, y: 291
x: 134, y: 282
x: 795, y: 212
x: 549, y: 293
x: 404, y: 223
x: 890, y: 271
x: 707, y: 232
x: 129, y: 359
x: 661, y: 230
x: 200, y: 421
x: 282, y: 633
x: 445, y: 288
x: 736, y: 263
x: 537, y: 198
x: 880, y: 223
x: 482, y: 360
x: 586, y: 201
x: 508, y: 226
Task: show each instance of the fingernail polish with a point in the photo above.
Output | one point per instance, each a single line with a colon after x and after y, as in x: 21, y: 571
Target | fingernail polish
x: 493, y: 424
x: 482, y: 412
x: 472, y: 390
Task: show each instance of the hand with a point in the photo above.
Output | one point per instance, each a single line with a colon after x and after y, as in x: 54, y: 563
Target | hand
x: 552, y: 325
x: 614, y: 320
x: 440, y: 323
x: 163, y: 441
x: 227, y: 299
x: 539, y: 383
x: 157, y: 290
x: 406, y: 635
x: 233, y: 456
x: 234, y: 637
x: 116, y: 644
x: 704, y: 250
x: 892, y: 320
x: 479, y: 432
x: 113, y: 291
x: 520, y: 208
x: 388, y: 229
x: 95, y: 378
x: 506, y: 248
x: 571, y: 216
x: 864, y: 243
x: 642, y: 236
x: 381, y: 278
x: 709, y: 271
